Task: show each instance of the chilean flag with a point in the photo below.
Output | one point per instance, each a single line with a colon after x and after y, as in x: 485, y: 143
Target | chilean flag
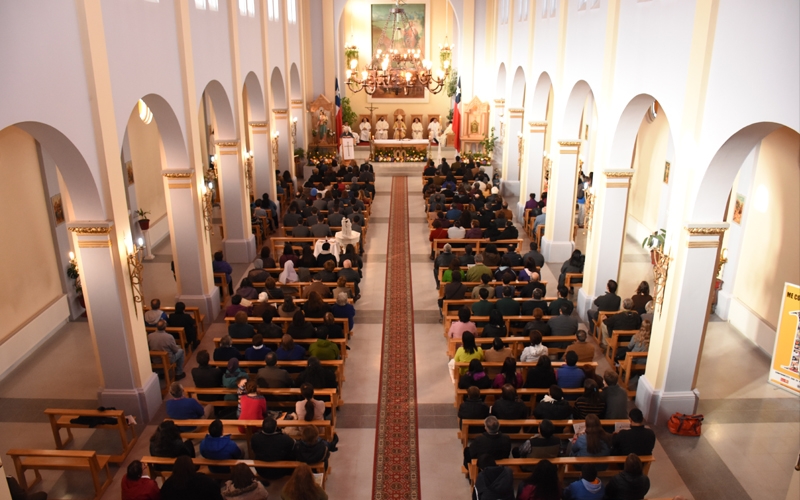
x: 457, y: 117
x: 338, y: 114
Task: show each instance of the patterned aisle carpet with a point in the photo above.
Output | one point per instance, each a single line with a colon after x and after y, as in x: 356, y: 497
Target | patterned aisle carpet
x: 396, y: 450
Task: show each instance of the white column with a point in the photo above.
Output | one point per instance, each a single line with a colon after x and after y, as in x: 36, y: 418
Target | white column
x: 557, y: 244
x: 668, y: 385
x: 300, y: 137
x: 239, y: 242
x: 500, y: 132
x: 115, y: 322
x: 280, y: 124
x: 608, y: 233
x: 531, y: 176
x: 263, y: 172
x: 192, y: 258
x: 514, y: 151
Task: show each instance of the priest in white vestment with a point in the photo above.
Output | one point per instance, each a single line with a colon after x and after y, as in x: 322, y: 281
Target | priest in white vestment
x: 382, y: 129
x: 366, y: 130
x: 416, y: 129
x: 433, y: 130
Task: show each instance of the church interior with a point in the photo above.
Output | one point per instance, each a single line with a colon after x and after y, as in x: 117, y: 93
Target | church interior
x: 196, y: 153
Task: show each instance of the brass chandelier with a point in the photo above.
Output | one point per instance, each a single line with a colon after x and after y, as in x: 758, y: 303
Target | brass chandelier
x: 398, y: 68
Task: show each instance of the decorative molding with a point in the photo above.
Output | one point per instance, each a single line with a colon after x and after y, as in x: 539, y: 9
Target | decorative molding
x: 94, y: 244
x: 707, y: 229
x: 296, y: 101
x: 182, y: 185
x: 500, y: 102
x: 619, y: 174
x: 569, y: 143
x: 704, y: 244
x: 259, y: 124
x: 227, y: 144
x: 280, y: 111
x: 178, y: 175
x: 516, y: 110
x: 90, y: 230
x: 538, y: 124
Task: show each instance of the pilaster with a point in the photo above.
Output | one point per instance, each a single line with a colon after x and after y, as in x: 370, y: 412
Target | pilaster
x: 280, y: 125
x: 263, y: 173
x: 239, y: 242
x: 532, y: 171
x: 514, y: 152
x: 557, y: 244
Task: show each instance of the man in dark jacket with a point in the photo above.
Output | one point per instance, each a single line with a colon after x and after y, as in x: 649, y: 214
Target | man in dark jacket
x: 627, y: 319
x: 494, y: 482
x: 553, y: 406
x: 562, y: 300
x: 180, y: 319
x: 215, y: 446
x: 607, y: 302
x: 637, y: 439
x: 631, y: 483
x: 492, y: 442
x: 271, y: 445
x: 509, y: 408
x: 473, y: 408
x: 206, y: 376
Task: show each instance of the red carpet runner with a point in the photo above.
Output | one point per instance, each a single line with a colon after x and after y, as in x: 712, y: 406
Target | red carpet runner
x: 396, y: 451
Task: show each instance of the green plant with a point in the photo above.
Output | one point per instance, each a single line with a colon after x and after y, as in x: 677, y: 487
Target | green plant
x: 488, y: 142
x: 450, y: 115
x: 142, y: 214
x: 452, y: 83
x: 349, y: 54
x: 299, y: 152
x: 73, y: 274
x: 656, y: 240
x: 348, y: 115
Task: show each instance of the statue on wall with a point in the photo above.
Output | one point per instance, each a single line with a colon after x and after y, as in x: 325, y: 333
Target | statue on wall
x: 473, y: 127
x: 399, y: 128
x: 322, y: 125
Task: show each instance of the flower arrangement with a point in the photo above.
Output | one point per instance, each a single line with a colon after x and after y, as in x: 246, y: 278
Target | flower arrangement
x: 318, y: 156
x: 479, y: 158
x: 399, y: 155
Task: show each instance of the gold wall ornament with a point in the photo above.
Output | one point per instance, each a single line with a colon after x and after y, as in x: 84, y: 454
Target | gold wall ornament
x: 90, y: 230
x: 661, y: 262
x: 227, y: 144
x: 135, y: 268
x: 280, y: 111
x: 569, y: 143
x: 538, y: 124
x: 259, y: 124
x: 296, y: 102
x: 619, y: 174
x: 248, y: 173
x: 706, y: 230
x: 520, y: 149
x: 500, y: 102
x: 275, y: 162
x: 178, y: 175
x: 589, y: 210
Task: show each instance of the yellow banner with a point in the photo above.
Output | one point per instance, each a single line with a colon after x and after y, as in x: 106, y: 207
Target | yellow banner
x: 785, y: 369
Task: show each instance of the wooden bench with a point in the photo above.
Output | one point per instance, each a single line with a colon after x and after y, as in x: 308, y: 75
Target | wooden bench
x: 240, y: 343
x: 61, y: 419
x: 36, y: 460
x: 301, y: 286
x: 285, y: 322
x: 204, y: 464
x: 221, y: 280
x: 298, y: 243
x: 276, y: 271
x: 512, y: 322
x: 179, y: 333
x: 517, y: 344
x: 164, y: 362
x: 570, y: 280
x: 478, y: 245
x: 598, y: 324
x: 528, y: 428
x: 281, y: 398
x: 453, y: 305
x: 627, y: 369
x: 516, y: 285
x: 620, y: 338
x: 494, y: 269
x: 492, y: 394
x: 199, y: 319
x: 566, y: 466
x: 336, y: 364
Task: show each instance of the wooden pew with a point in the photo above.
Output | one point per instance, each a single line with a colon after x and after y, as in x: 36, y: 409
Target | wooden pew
x: 628, y: 368
x: 598, y: 324
x: 494, y: 269
x: 205, y: 463
x: 221, y: 280
x: 60, y: 419
x: 282, y: 398
x: 620, y: 338
x: 566, y: 466
x: 478, y: 245
x: 492, y: 394
x: 336, y: 364
x: 517, y: 344
x: 297, y: 243
x: 276, y: 271
x: 244, y: 343
x: 525, y: 428
x: 517, y: 285
x: 199, y: 319
x: 285, y: 322
x: 453, y: 305
x: 84, y: 460
x: 180, y: 337
x: 570, y: 278
x: 511, y: 322
x: 163, y: 362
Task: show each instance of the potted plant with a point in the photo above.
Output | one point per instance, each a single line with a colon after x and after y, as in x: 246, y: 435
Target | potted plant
x: 144, y: 222
x: 655, y: 243
x: 75, y: 276
x: 488, y: 143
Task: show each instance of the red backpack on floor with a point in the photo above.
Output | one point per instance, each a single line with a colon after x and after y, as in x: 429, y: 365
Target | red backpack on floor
x: 685, y: 425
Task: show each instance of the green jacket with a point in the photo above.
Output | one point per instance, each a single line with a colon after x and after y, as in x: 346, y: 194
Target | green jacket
x: 324, y: 350
x: 508, y: 307
x: 482, y: 308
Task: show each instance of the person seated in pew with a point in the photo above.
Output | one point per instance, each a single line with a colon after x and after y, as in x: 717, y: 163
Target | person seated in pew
x: 182, y: 408
x: 186, y: 321
x: 542, y: 375
x: 289, y: 351
x: 614, y: 396
x: 535, y: 349
x: 639, y: 343
x: 505, y: 274
x: 514, y: 258
x: 267, y: 329
x: 299, y: 327
x: 323, y: 349
x: 219, y: 265
x: 335, y: 215
x: 594, y: 442
x: 327, y: 275
x: 456, y: 232
x: 498, y: 353
x: 638, y: 439
x: 317, y: 375
x: 307, y: 258
x: 185, y: 483
x: 341, y: 287
x: 240, y: 328
x: 288, y: 308
x: 226, y: 351
x: 507, y: 305
x: 308, y: 408
x: 271, y: 290
x: 475, y: 376
x: 649, y: 308
x: 315, y: 307
x: 540, y: 220
x: 529, y: 306
x: 508, y: 375
x: 527, y: 272
x: 463, y: 325
x: 562, y: 300
x: 253, y: 406
x: 484, y: 280
x: 236, y: 306
x: 287, y: 255
x: 155, y: 314
x: 630, y: 483
x: 243, y: 485
x: 135, y: 486
x: 313, y: 216
x: 455, y: 290
x: 216, y: 446
x: 511, y: 233
x: 570, y: 376
x: 292, y: 217
x: 271, y: 376
x: 474, y: 232
x: 351, y: 275
x: 627, y: 319
x: 508, y: 406
x: 496, y: 327
x: 329, y: 328
x: 267, y: 262
x: 324, y: 254
x: 589, y: 487
x: 641, y: 297
x: 442, y: 260
x: 564, y: 324
x: 246, y: 290
x: 231, y: 377
x: 270, y: 444
x: 493, y: 481
x: 492, y: 442
x: 583, y: 349
x: 161, y: 340
x: 609, y: 301
x: 206, y: 376
x: 590, y: 402
x: 343, y: 309
x: 535, y: 255
x: 454, y: 267
x: 542, y: 445
x: 166, y: 442
x: 258, y: 351
x: 317, y: 286
x: 491, y: 257
x: 483, y: 307
x: 258, y: 308
x: 473, y: 408
x: 468, y: 258
x: 533, y: 285
x: 493, y: 234
x: 311, y: 449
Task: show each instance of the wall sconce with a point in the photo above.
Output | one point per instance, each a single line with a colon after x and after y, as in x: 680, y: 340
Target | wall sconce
x: 661, y: 262
x: 275, y: 162
x: 293, y: 129
x: 589, y: 210
x: 248, y: 172
x: 723, y: 259
x: 208, y: 206
x: 521, y: 149
x: 546, y: 162
x: 135, y: 269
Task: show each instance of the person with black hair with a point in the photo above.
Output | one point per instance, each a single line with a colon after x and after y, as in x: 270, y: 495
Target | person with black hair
x: 542, y: 375
x: 475, y: 377
x: 570, y: 376
x: 544, y: 444
x: 272, y: 445
x: 562, y: 300
x: 564, y: 324
x: 507, y: 305
x: 542, y: 484
x: 206, y: 376
x: 638, y: 439
x: 187, y: 484
x: 135, y: 486
x: 494, y: 482
x: 219, y: 265
x: 609, y: 301
x: 473, y: 408
x: 509, y: 407
x: 553, y: 406
x: 535, y: 255
x: 588, y: 487
x: 573, y: 265
x: 216, y: 446
x: 317, y: 375
x: 166, y: 442
x: 186, y: 321
x: 590, y: 402
x: 631, y: 483
x: 496, y: 327
x: 243, y: 485
x: 324, y: 349
x: 299, y: 328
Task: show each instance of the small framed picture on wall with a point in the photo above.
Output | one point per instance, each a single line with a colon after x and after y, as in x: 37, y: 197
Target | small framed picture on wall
x: 58, y: 208
x: 738, y: 209
x: 129, y: 169
x: 666, y: 172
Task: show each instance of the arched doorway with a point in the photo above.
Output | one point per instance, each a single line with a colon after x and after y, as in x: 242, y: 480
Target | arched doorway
x: 281, y: 135
x: 540, y: 113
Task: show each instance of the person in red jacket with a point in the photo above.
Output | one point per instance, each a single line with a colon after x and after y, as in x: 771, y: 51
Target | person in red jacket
x: 136, y: 486
x: 437, y: 233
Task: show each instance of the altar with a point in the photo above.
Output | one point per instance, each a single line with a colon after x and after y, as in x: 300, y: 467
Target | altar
x: 400, y: 150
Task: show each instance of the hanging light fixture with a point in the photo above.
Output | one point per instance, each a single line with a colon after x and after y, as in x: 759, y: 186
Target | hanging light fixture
x: 398, y: 68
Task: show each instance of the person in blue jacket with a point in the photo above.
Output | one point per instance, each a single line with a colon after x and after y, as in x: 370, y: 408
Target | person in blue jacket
x: 215, y: 446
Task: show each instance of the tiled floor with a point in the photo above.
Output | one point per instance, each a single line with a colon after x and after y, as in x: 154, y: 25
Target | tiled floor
x: 750, y: 440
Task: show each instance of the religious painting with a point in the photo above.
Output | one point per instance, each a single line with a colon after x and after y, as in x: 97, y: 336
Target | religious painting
x: 413, y: 37
x: 58, y: 208
x: 666, y: 172
x: 738, y: 209
x: 129, y: 169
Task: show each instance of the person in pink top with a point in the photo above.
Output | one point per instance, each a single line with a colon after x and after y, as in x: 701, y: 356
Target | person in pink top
x: 457, y: 328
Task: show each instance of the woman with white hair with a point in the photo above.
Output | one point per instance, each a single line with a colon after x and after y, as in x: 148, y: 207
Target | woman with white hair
x: 343, y: 309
